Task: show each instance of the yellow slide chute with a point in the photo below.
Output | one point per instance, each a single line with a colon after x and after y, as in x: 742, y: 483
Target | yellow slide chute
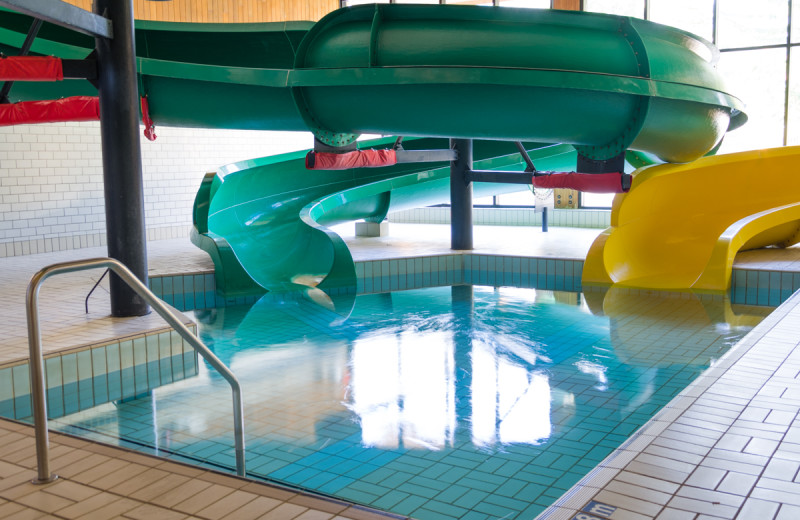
x: 680, y: 226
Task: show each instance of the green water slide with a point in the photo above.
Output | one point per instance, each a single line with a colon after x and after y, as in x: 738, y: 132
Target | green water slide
x: 263, y: 221
x: 601, y: 84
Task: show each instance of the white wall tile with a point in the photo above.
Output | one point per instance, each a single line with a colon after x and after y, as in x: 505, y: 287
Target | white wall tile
x: 51, y: 179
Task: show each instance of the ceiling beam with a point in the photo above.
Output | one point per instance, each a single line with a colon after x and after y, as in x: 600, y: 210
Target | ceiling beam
x: 63, y: 14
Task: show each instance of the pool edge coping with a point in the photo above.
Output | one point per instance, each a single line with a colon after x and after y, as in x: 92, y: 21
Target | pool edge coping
x: 597, y: 480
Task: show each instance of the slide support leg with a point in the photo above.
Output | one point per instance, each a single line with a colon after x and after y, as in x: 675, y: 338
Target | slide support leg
x: 122, y: 161
x: 461, y: 195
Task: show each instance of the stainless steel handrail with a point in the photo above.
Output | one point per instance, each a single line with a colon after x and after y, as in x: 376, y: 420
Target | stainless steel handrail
x: 37, y: 362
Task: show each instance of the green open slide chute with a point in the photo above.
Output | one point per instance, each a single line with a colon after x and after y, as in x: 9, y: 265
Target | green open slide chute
x: 269, y: 214
x: 600, y: 83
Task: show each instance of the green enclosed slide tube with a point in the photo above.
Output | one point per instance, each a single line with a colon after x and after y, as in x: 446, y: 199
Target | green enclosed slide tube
x: 603, y: 83
x: 600, y: 82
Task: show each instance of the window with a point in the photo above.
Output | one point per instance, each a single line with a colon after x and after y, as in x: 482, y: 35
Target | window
x: 620, y: 7
x: 532, y: 4
x: 756, y: 41
x: 758, y: 77
x: 695, y: 16
x: 743, y: 23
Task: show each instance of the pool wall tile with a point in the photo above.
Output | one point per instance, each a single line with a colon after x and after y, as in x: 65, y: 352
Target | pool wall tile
x: 156, y: 285
x: 210, y: 290
x: 140, y: 365
x: 52, y: 373
x: 747, y: 286
x: 592, y: 218
x: 22, y: 389
x: 165, y: 357
x: 755, y: 287
x: 99, y: 374
x: 167, y: 294
x: 54, y: 385
x: 153, y: 355
x: 69, y: 368
x: 95, y: 374
x: 177, y: 292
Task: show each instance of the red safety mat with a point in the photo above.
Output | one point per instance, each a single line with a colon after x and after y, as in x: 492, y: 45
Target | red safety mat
x: 77, y: 108
x: 149, y: 126
x: 345, y: 161
x: 587, y: 182
x: 31, y: 68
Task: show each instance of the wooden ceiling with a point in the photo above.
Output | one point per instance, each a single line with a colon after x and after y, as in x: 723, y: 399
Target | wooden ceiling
x: 227, y: 11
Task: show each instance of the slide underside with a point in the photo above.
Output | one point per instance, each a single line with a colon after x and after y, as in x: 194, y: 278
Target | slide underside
x: 680, y: 226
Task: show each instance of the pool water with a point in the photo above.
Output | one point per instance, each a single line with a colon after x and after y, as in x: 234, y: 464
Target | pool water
x: 440, y: 403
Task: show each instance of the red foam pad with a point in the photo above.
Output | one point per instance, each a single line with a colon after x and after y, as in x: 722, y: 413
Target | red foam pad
x: 77, y: 108
x: 587, y: 182
x: 31, y: 68
x: 346, y: 161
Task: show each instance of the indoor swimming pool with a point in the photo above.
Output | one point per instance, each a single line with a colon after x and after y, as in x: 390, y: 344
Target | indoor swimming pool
x: 463, y: 402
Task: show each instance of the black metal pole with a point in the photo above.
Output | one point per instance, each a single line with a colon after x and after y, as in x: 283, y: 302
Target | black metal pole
x: 544, y: 219
x: 122, y: 162
x: 461, y: 195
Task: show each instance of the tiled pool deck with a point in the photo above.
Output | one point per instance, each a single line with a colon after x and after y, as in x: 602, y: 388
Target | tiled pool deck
x: 728, y: 447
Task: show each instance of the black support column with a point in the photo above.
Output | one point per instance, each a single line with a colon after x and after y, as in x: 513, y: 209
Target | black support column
x: 122, y: 162
x: 461, y: 195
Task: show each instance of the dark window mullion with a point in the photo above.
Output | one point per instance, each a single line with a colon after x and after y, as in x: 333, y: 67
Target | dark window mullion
x: 788, y: 76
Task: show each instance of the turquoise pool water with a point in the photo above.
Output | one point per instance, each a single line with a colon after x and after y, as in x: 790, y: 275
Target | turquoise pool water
x: 440, y: 403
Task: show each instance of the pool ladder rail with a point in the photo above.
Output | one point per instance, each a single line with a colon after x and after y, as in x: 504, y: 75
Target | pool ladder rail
x: 37, y: 362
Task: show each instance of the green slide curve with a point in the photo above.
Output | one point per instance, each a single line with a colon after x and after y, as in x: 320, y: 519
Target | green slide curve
x: 269, y: 214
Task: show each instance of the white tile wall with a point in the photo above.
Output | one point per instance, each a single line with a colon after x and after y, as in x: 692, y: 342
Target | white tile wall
x: 585, y: 218
x: 51, y: 180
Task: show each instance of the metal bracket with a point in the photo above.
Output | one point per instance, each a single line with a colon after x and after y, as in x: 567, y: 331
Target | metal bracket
x: 323, y: 147
x: 498, y: 176
x: 419, y: 156
x: 80, y: 69
x: 530, y: 168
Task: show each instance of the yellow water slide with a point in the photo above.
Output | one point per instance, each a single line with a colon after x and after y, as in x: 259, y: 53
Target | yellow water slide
x: 681, y: 225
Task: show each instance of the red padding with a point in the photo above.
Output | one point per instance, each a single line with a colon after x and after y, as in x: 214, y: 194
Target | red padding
x: 78, y: 108
x: 149, y: 126
x: 345, y: 161
x: 588, y: 182
x: 31, y: 68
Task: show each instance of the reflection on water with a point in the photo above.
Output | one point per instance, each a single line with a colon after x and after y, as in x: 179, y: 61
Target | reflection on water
x: 404, y: 380
x: 493, y: 400
x: 510, y: 402
x: 403, y: 390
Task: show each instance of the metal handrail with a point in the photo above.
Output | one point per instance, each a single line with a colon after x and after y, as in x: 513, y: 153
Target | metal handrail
x: 95, y: 286
x: 37, y: 361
